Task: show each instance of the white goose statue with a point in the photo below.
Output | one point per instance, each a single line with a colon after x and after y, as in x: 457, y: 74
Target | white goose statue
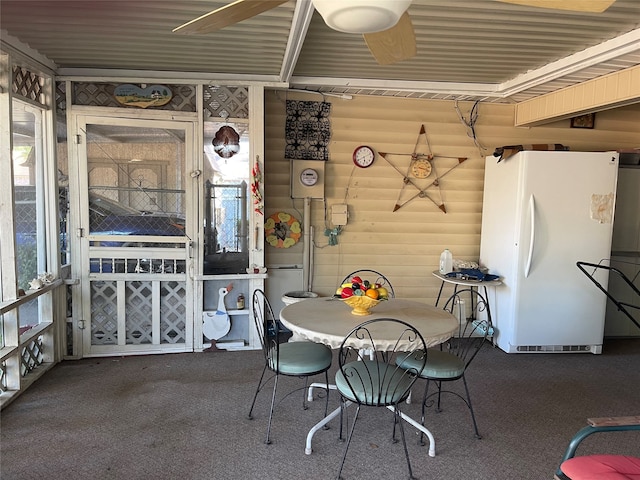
x: 217, y: 324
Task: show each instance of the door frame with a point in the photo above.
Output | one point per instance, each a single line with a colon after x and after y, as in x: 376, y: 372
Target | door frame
x: 78, y: 120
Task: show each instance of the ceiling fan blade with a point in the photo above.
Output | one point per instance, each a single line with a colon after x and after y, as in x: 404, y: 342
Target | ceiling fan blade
x: 593, y: 6
x: 395, y: 44
x: 228, y: 15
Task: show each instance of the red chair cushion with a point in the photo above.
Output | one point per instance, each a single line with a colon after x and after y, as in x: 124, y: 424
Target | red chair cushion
x: 602, y: 467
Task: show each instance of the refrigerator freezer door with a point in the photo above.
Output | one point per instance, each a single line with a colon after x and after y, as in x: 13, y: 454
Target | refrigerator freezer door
x: 499, y: 246
x: 625, y: 255
x: 564, y: 205
x: 626, y: 226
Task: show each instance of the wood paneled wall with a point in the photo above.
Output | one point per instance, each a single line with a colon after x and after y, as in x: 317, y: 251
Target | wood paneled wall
x: 406, y: 244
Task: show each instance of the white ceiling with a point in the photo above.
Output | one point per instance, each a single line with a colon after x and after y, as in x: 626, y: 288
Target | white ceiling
x: 467, y: 49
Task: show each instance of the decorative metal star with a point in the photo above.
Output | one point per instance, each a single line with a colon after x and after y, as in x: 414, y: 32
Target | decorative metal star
x: 423, y: 166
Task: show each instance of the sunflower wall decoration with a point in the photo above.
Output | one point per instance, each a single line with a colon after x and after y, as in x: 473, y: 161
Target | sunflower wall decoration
x: 282, y: 230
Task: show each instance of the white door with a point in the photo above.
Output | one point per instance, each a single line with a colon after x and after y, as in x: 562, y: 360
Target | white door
x: 134, y: 228
x: 565, y: 201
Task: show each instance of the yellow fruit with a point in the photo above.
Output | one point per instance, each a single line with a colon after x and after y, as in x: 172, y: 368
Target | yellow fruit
x: 339, y: 291
x: 383, y: 292
x: 348, y: 284
x: 372, y: 293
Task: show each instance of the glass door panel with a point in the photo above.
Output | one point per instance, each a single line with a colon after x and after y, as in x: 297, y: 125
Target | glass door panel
x: 135, y: 210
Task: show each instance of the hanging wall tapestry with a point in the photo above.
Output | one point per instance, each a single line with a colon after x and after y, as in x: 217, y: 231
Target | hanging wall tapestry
x: 308, y: 130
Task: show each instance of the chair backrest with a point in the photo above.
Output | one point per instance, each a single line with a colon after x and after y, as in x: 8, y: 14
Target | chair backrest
x: 614, y: 464
x: 267, y: 326
x: 375, y: 379
x: 372, y: 276
x: 472, y: 311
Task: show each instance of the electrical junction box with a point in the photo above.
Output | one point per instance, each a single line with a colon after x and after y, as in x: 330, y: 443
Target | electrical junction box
x: 307, y: 178
x: 339, y: 214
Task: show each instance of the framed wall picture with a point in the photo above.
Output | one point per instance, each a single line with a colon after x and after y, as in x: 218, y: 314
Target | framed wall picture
x: 583, y: 121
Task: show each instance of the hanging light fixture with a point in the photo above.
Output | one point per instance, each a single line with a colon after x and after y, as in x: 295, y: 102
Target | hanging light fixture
x: 361, y: 16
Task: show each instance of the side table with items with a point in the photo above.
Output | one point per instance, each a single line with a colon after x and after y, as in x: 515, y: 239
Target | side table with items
x: 464, y: 280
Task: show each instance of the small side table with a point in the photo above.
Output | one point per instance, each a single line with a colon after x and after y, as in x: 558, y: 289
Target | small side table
x: 465, y: 283
x: 459, y: 282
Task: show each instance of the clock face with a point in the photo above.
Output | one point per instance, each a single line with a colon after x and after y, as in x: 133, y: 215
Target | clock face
x: 309, y: 177
x: 421, y: 168
x: 363, y: 156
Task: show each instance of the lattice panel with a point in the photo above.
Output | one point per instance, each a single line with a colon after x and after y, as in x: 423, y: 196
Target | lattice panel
x: 139, y: 306
x: 139, y: 303
x: 102, y: 95
x: 31, y: 356
x: 184, y: 98
x: 173, y: 312
x: 225, y: 102
x: 61, y: 98
x: 29, y: 85
x: 104, y: 313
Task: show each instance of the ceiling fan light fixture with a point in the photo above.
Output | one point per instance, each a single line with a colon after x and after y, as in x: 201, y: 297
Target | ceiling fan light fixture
x: 361, y: 16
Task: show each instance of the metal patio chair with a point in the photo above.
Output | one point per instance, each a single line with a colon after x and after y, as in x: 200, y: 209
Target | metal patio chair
x: 376, y: 380
x: 295, y: 359
x: 574, y: 467
x: 450, y: 361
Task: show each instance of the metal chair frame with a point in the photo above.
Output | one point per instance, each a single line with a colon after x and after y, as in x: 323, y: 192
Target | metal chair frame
x: 270, y: 339
x: 379, y: 278
x: 375, y: 380
x: 465, y: 345
x: 596, y: 425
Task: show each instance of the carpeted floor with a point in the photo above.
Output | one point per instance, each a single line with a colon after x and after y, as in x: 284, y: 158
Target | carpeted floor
x: 184, y: 416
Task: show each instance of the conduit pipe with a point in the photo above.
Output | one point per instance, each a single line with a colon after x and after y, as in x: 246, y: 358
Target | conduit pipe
x: 306, y: 252
x: 311, y: 259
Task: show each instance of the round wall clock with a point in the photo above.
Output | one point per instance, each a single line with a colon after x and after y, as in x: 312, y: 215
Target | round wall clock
x: 421, y: 168
x: 363, y: 156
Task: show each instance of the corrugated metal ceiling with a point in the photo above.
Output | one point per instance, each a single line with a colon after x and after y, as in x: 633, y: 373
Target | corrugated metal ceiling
x: 467, y: 49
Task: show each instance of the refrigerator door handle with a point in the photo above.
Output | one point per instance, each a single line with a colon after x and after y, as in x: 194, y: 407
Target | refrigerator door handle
x: 532, y: 240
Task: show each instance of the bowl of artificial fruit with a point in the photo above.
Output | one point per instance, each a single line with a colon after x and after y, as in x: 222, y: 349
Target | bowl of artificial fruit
x: 361, y: 295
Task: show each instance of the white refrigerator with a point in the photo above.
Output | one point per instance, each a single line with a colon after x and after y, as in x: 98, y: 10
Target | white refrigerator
x: 543, y: 211
x: 625, y: 253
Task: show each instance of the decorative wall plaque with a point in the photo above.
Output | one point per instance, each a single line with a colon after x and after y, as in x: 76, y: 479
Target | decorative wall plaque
x: 134, y: 96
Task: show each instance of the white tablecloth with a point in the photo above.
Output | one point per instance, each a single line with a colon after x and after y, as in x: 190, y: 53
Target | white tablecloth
x: 329, y: 320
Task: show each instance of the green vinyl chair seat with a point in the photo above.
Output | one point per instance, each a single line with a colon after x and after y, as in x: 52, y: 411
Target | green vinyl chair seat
x: 295, y: 359
x: 301, y: 358
x: 440, y: 365
x: 373, y: 383
x: 371, y: 377
x: 449, y: 362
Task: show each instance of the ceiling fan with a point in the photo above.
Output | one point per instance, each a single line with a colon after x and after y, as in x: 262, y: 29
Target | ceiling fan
x: 384, y: 24
x: 590, y: 6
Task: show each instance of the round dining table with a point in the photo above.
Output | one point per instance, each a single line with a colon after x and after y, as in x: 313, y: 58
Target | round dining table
x: 328, y: 320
